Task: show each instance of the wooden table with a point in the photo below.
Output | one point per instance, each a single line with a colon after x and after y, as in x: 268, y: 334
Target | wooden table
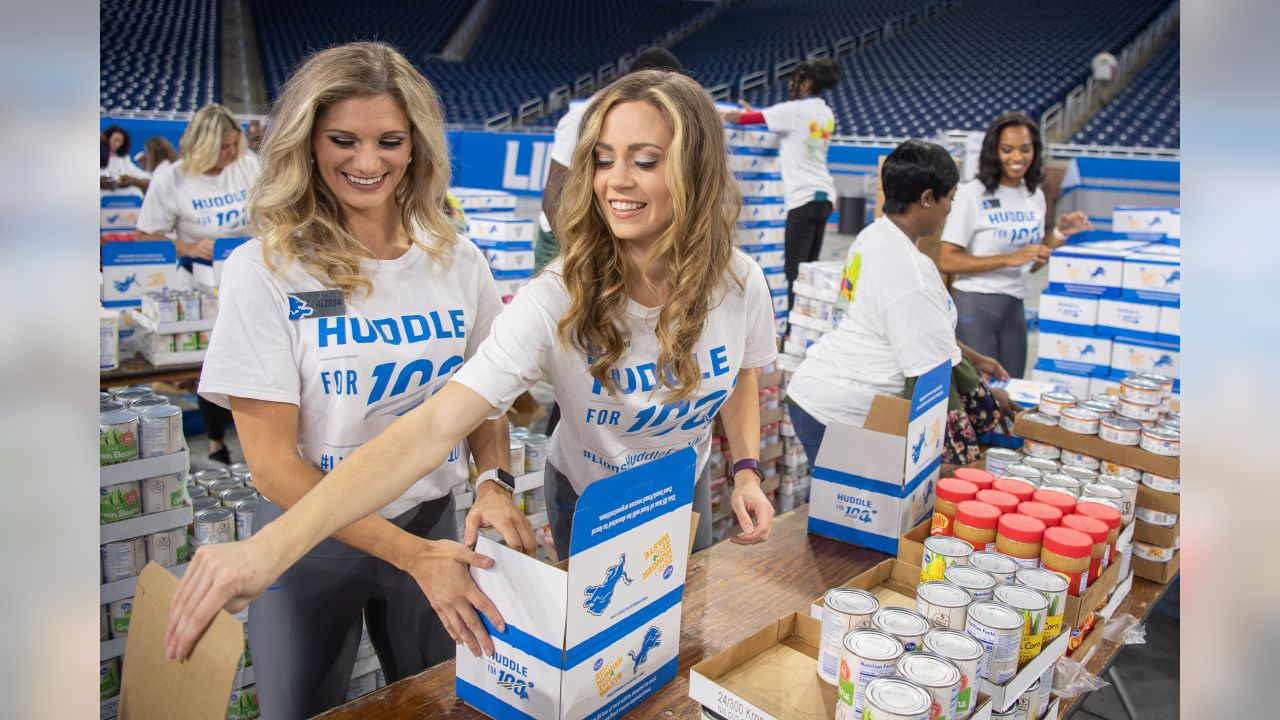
x: 730, y: 592
x: 137, y: 371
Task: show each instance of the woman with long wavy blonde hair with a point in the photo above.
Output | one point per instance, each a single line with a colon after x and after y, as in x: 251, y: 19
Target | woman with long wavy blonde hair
x: 650, y: 325
x: 353, y: 303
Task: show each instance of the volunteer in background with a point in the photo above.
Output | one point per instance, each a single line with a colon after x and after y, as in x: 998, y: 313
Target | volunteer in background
x: 898, y: 321
x: 805, y: 124
x: 197, y: 199
x: 680, y: 321
x: 995, y: 238
x: 120, y: 175
x: 158, y: 153
x: 354, y: 302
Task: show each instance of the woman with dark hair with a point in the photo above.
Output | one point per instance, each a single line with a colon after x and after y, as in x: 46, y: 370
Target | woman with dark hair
x: 120, y: 175
x: 995, y: 238
x: 806, y: 124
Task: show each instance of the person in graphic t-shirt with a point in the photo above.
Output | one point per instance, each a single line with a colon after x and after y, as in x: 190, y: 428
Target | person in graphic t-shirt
x: 120, y: 175
x: 994, y: 237
x: 806, y: 125
x: 648, y: 325
x: 354, y: 302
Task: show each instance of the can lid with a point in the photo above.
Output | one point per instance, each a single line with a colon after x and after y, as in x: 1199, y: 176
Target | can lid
x: 945, y: 594
x: 1044, y: 465
x: 1022, y: 597
x: 994, y: 562
x: 1002, y: 501
x: 1021, y: 528
x: 978, y: 514
x: 947, y: 545
x: 1061, y: 398
x: 213, y: 514
x: 1103, y: 409
x: 1067, y: 542
x: 116, y: 417
x: 1093, y: 527
x: 1081, y: 414
x: 1103, y: 490
x: 1099, y: 511
x: 969, y: 577
x: 1124, y: 424
x: 1046, y: 581
x: 851, y: 601
x: 1153, y: 377
x: 1141, y: 383
x: 249, y: 505
x: 1062, y: 480
x: 1017, y: 487
x: 953, y: 644
x: 1023, y: 470
x: 1161, y: 433
x: 160, y: 411
x: 872, y: 644
x: 898, y: 696
x: 1079, y: 472
x: 996, y: 615
x: 928, y: 669
x: 900, y: 621
x: 981, y: 478
x: 1039, y: 417
x: 1058, y: 498
x: 535, y: 438
x: 149, y: 401
x: 956, y: 490
x: 1047, y: 514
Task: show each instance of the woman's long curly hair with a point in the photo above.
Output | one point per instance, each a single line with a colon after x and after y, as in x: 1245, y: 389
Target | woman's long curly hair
x: 695, y: 250
x: 294, y: 213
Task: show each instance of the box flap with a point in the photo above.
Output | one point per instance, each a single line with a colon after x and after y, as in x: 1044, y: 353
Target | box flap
x: 861, y: 453
x: 537, y: 629
x: 928, y: 425
x: 888, y: 415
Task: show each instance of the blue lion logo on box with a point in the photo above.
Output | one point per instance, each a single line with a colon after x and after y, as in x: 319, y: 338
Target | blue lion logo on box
x: 125, y: 284
x: 1164, y: 361
x: 1175, y: 276
x: 1088, y: 350
x: 599, y: 596
x: 652, y: 639
x: 915, y: 449
x: 298, y: 309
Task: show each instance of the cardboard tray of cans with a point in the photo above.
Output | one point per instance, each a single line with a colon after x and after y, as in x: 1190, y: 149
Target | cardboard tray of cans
x: 772, y: 675
x: 143, y: 469
x: 1156, y: 534
x: 894, y: 582
x: 173, y: 328
x: 1157, y: 572
x: 1127, y: 455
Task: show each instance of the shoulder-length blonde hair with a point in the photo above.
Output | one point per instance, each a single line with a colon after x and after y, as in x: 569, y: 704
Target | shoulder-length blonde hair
x: 696, y: 250
x: 294, y: 213
x: 201, y: 141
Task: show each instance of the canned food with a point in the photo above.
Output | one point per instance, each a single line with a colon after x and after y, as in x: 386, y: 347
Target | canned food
x: 159, y: 430
x: 942, y: 604
x: 1040, y: 418
x: 196, y: 491
x: 1101, y: 490
x: 205, y: 478
x: 1155, y: 517
x: 233, y: 497
x: 119, y: 613
x: 866, y: 654
x: 1037, y: 697
x: 1079, y: 420
x: 208, y: 307
x: 1001, y: 567
x: 1063, y: 481
x: 123, y: 560
x: 999, y: 458
x: 1054, y: 587
x: 162, y: 493
x: 1103, y: 409
x: 1129, y: 493
x: 244, y: 704
x: 1138, y: 411
x: 1053, y: 403
x: 891, y: 698
x: 1017, y: 711
x: 1044, y: 465
x: 1169, y: 424
x: 1035, y: 449
x: 535, y: 452
x: 1161, y: 441
x: 907, y: 626
x: 119, y: 502
x: 117, y: 435
x: 965, y: 653
x: 244, y: 511
x: 164, y: 308
x: 109, y: 679
x: 938, y: 676
x: 1164, y: 381
x: 1034, y: 606
x: 204, y: 503
x: 843, y: 609
x: 218, y: 488
x: 215, y: 525
x: 188, y: 307
x: 1141, y: 391
x: 168, y: 548
x: 998, y: 628
x: 517, y: 454
x: 940, y: 553
x: 187, y: 341
x: 1154, y: 553
x: 202, y: 339
x: 149, y: 401
x: 1079, y: 472
x: 131, y: 394
x: 979, y: 583
x: 1119, y: 430
x: 1079, y: 459
x: 1161, y: 483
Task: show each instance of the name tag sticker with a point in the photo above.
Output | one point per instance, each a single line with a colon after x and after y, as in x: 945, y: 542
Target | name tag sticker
x: 319, y: 303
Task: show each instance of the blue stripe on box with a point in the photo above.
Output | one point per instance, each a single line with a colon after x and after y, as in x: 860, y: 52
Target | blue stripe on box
x: 1071, y: 367
x: 1164, y: 298
x: 594, y: 645
x: 761, y: 224
x: 633, y: 695
x: 859, y: 482
x: 749, y: 150
x: 1171, y: 339
x: 486, y: 703
x: 512, y: 274
x: 1053, y: 326
x: 1111, y: 332
x: 507, y: 245
x: 762, y: 200
x: 757, y: 176
x: 763, y: 248
x: 853, y: 536
x: 1093, y: 291
x: 524, y: 642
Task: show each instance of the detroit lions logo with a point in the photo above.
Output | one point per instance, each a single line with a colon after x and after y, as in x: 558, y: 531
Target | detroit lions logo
x: 1164, y: 361
x: 517, y: 686
x: 1088, y: 350
x: 1078, y: 273
x: 652, y: 639
x: 125, y: 284
x: 915, y: 449
x: 1173, y: 277
x: 599, y: 596
x: 298, y: 308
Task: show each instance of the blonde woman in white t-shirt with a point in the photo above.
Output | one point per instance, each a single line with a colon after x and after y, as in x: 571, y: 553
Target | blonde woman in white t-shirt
x: 650, y: 325
x: 995, y: 237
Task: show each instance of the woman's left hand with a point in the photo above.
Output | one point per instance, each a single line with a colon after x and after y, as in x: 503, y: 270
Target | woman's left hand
x: 1007, y: 409
x: 990, y: 368
x: 493, y: 508
x: 752, y: 508
x: 1073, y: 223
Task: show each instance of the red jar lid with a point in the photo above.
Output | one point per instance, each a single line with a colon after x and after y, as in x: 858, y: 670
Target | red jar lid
x: 1098, y: 511
x: 979, y: 477
x: 1067, y: 542
x: 1047, y: 514
x: 1003, y: 501
x: 955, y: 490
x: 977, y: 514
x: 1062, y: 502
x: 1021, y: 528
x: 1092, y: 527
x: 1020, y: 489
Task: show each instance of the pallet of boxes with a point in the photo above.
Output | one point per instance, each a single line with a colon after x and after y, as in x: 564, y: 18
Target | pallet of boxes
x: 761, y: 227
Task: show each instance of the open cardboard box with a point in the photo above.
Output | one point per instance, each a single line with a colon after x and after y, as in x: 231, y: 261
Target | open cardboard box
x: 1156, y: 534
x: 1127, y: 455
x: 1157, y: 572
x: 1157, y: 500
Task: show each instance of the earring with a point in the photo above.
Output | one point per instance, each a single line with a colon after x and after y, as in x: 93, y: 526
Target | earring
x: 926, y: 204
x: 410, y: 158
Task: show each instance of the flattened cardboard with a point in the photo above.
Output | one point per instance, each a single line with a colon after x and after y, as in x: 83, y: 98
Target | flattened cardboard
x: 154, y: 688
x: 1157, y: 572
x: 1127, y: 455
x: 1157, y: 500
x: 1156, y: 534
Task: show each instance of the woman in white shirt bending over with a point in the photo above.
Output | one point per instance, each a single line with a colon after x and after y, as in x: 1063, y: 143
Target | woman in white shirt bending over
x: 354, y: 302
x: 995, y: 237
x: 648, y: 325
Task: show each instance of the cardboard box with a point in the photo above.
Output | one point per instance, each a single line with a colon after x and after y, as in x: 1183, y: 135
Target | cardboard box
x: 762, y: 208
x: 119, y: 213
x: 1155, y: 571
x: 484, y: 201
x: 1064, y: 313
x: 595, y: 637
x: 1162, y: 501
x: 1131, y: 318
x: 761, y: 235
x: 1099, y: 385
x: 1152, y: 277
x: 769, y: 379
x: 872, y: 484
x: 1154, y: 220
x: 1078, y: 354
x: 498, y: 226
x: 1169, y: 329
x: 1073, y: 383
x: 509, y: 259
x: 761, y: 189
x: 741, y: 163
x: 1127, y: 455
x: 1156, y: 534
x: 1086, y: 269
x: 1130, y: 355
x: 748, y: 137
x: 1090, y: 641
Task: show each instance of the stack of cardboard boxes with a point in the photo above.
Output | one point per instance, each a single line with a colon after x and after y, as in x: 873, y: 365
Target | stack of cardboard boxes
x: 753, y: 155
x: 505, y: 239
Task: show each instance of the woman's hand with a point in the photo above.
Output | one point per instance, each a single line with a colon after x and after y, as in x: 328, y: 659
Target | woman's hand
x: 1007, y: 409
x: 990, y: 368
x: 441, y: 570
x: 1028, y: 254
x: 746, y: 106
x: 753, y: 509
x: 230, y: 576
x: 201, y: 249
x: 493, y: 508
x: 1073, y: 223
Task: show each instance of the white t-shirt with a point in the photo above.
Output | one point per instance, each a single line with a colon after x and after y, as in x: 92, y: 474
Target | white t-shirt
x: 805, y: 127
x: 996, y: 223
x: 566, y: 138
x: 1104, y: 64
x: 599, y: 434
x: 351, y: 375
x: 117, y: 167
x: 899, y: 323
x: 199, y: 206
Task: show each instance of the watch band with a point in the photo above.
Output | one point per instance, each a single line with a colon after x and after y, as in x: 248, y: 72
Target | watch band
x: 751, y: 464
x: 502, y: 478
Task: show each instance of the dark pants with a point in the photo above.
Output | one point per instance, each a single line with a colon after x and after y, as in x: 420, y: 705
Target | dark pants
x: 805, y: 228
x: 215, y: 418
x: 304, y: 632
x: 809, y: 430
x: 994, y: 325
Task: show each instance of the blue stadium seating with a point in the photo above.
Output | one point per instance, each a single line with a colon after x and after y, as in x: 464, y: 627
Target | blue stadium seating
x: 1145, y: 113
x: 159, y: 55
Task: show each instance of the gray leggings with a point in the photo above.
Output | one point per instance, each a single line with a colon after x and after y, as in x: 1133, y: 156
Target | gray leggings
x: 562, y: 499
x: 994, y: 325
x: 303, y: 632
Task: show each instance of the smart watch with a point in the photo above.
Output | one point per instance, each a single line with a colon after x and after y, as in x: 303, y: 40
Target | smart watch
x: 502, y: 478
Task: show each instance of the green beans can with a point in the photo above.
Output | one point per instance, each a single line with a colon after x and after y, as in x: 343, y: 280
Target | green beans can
x: 895, y: 698
x: 119, y: 502
x: 865, y: 654
x: 119, y: 613
x: 966, y: 654
x: 117, y: 436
